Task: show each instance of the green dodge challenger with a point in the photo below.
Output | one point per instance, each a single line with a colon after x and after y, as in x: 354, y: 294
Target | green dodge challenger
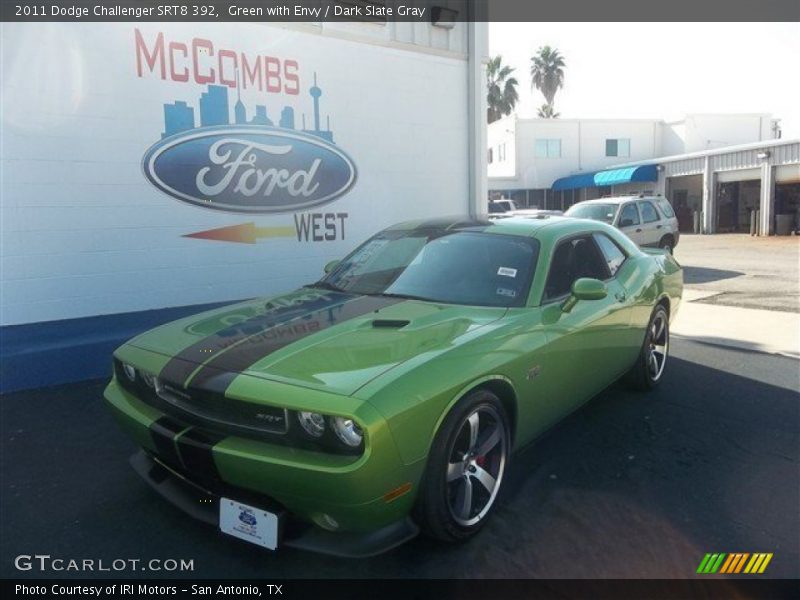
x: 389, y: 396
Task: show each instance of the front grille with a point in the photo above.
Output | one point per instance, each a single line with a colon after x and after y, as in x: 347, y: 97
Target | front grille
x: 203, y: 408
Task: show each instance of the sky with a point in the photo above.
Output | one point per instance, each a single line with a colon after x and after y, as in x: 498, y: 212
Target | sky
x: 661, y: 70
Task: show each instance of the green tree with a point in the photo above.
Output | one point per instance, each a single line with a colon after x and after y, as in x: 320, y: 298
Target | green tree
x: 546, y: 111
x: 547, y: 76
x: 501, y: 88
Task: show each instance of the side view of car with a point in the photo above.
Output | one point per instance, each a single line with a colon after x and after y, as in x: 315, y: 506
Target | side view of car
x: 647, y: 220
x: 502, y: 205
x: 389, y: 396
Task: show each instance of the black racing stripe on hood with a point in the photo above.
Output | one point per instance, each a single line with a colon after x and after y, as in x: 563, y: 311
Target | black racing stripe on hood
x: 217, y: 374
x: 183, y: 364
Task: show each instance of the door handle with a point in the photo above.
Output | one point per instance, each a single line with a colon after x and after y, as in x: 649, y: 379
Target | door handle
x: 659, y: 226
x: 620, y: 296
x: 639, y: 230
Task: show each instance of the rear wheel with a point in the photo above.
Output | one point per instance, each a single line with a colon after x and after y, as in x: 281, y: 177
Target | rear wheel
x: 648, y: 370
x: 465, y: 469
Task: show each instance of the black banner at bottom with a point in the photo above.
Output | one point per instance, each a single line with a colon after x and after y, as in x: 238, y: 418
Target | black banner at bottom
x: 410, y: 589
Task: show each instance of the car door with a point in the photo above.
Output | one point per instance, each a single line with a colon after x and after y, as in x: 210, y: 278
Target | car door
x: 651, y: 225
x: 630, y: 222
x: 587, y: 348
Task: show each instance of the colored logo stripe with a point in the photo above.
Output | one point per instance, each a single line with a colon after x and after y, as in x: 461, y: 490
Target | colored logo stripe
x: 734, y: 563
x: 711, y: 563
x: 758, y: 563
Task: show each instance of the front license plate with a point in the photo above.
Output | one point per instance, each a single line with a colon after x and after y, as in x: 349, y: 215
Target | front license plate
x: 248, y: 523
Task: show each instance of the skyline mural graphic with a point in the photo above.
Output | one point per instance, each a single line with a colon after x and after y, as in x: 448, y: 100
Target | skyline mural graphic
x: 215, y: 110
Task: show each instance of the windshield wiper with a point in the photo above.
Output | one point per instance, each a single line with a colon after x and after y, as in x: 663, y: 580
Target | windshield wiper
x: 403, y: 296
x: 324, y: 285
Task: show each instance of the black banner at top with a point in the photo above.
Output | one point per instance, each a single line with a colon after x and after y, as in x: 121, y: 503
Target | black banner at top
x: 442, y: 13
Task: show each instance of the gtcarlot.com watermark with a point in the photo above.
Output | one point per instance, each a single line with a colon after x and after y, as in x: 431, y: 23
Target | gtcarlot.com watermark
x: 47, y: 563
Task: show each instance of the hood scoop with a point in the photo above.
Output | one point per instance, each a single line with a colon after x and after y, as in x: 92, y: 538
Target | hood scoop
x: 390, y: 323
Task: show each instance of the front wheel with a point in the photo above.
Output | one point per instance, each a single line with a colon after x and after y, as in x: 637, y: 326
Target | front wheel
x: 465, y: 469
x: 648, y: 370
x: 667, y: 243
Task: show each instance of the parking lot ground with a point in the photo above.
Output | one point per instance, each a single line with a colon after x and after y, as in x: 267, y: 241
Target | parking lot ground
x: 630, y: 486
x: 745, y: 271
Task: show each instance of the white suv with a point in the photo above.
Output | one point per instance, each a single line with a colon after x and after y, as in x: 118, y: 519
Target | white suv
x: 647, y: 220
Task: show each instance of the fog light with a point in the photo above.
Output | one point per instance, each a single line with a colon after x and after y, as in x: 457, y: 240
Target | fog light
x: 347, y: 431
x: 327, y: 522
x: 130, y: 372
x: 313, y: 423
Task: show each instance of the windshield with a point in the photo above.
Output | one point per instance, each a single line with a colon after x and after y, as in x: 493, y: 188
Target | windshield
x: 461, y: 267
x: 596, y: 212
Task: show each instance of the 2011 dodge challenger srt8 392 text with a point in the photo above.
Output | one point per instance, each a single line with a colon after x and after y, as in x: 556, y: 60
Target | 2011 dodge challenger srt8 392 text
x: 389, y: 396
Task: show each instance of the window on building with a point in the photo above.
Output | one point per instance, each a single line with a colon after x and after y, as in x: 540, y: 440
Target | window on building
x: 618, y: 147
x: 491, y: 156
x: 649, y: 214
x: 548, y: 148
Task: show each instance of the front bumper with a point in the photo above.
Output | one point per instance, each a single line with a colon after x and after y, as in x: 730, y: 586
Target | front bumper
x: 203, y: 504
x: 312, y: 487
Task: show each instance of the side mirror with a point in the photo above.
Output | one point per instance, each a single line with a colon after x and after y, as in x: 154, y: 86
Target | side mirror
x: 331, y: 266
x: 584, y: 288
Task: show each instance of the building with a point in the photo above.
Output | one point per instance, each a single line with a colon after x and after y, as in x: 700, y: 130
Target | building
x: 721, y: 167
x: 152, y: 170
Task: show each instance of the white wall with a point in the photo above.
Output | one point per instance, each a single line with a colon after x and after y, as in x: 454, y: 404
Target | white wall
x: 699, y: 132
x: 583, y: 147
x: 85, y: 233
x: 583, y: 143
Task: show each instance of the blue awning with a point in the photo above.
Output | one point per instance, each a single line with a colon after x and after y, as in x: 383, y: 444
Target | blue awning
x: 627, y: 175
x: 606, y: 178
x: 574, y: 182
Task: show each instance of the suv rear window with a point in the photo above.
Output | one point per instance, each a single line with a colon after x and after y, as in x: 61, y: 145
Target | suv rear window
x: 666, y: 208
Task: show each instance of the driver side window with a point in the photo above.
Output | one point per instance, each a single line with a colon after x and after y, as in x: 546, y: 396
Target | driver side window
x: 629, y: 216
x: 573, y: 259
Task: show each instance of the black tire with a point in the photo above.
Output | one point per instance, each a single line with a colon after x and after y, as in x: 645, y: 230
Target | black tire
x: 644, y: 374
x: 667, y: 243
x: 457, y: 467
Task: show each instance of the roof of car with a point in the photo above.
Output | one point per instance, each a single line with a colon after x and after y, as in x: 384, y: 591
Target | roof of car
x: 618, y: 199
x: 514, y: 225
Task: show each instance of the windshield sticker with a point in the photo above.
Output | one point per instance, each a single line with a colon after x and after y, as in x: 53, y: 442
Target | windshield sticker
x: 506, y: 292
x: 507, y: 272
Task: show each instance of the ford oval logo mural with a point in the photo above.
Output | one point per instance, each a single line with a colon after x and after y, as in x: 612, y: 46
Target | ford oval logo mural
x: 249, y: 169
x: 250, y: 165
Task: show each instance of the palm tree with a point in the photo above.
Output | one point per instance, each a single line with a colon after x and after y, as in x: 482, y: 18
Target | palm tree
x: 547, y: 74
x: 546, y: 111
x: 501, y: 89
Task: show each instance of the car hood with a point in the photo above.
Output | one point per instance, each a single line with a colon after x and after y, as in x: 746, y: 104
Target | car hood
x: 314, y: 338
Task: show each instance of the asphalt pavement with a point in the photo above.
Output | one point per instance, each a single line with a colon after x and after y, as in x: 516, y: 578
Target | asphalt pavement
x: 630, y: 486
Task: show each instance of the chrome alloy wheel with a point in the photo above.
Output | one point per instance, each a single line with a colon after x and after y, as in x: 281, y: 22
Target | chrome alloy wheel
x: 658, y: 346
x: 475, y: 466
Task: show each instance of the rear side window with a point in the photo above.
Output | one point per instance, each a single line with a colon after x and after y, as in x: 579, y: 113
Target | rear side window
x: 611, y: 252
x: 649, y: 213
x: 666, y: 208
x: 629, y: 216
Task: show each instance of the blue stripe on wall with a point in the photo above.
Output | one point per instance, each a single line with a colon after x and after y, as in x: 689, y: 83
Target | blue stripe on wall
x: 41, y: 354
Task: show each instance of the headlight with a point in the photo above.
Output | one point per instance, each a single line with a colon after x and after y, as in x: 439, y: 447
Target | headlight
x: 313, y: 423
x: 347, y: 431
x: 129, y: 371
